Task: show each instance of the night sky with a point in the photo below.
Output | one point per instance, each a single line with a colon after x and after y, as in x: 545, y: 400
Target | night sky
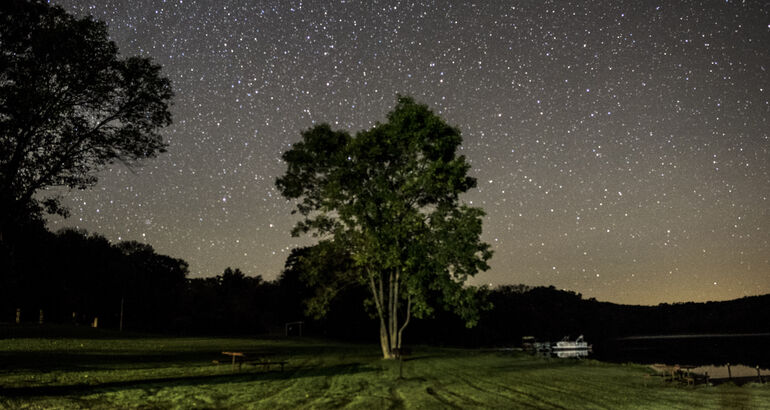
x: 621, y: 147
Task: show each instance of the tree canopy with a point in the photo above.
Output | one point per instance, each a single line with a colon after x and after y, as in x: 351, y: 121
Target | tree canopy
x: 388, y: 198
x: 68, y: 105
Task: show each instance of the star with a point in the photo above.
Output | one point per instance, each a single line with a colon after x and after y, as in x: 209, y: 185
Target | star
x: 621, y: 149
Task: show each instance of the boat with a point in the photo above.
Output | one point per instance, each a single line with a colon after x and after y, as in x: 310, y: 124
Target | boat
x: 566, y: 344
x: 569, y: 354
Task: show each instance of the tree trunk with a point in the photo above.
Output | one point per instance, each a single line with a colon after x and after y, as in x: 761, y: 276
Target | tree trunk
x: 384, y: 342
x: 390, y: 332
x: 393, y: 311
x: 378, y: 294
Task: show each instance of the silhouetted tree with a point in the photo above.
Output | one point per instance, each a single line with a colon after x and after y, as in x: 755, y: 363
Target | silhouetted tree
x: 20, y: 265
x: 319, y: 286
x: 74, y: 271
x: 388, y: 198
x: 240, y: 301
x: 83, y: 275
x: 230, y: 303
x: 201, y: 311
x: 68, y: 105
x: 325, y: 270
x: 153, y: 286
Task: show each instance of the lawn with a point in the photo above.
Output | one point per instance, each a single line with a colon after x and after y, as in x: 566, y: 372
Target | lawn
x: 90, y: 369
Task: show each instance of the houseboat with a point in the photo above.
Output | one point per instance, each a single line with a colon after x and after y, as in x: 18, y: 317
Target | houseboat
x: 566, y: 344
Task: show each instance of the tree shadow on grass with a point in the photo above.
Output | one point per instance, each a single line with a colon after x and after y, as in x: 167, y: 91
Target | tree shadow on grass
x: 182, y: 381
x: 109, y: 356
x: 73, y: 359
x: 95, y: 360
x: 418, y: 357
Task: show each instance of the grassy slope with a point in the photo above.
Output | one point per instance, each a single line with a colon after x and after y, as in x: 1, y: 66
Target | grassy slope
x: 178, y: 373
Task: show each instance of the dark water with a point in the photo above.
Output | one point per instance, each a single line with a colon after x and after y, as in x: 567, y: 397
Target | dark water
x: 697, y: 350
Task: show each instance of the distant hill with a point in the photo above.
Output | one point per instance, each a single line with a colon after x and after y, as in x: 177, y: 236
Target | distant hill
x: 548, y: 313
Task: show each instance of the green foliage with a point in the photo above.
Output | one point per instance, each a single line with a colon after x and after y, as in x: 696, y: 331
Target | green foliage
x: 326, y: 270
x: 69, y: 104
x: 388, y: 201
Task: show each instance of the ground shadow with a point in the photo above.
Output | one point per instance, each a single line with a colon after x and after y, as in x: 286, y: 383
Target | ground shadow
x: 231, y: 377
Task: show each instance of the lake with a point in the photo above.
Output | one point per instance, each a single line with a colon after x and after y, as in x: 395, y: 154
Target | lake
x: 696, y: 350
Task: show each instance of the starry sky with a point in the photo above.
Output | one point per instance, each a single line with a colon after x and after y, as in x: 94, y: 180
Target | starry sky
x: 621, y: 147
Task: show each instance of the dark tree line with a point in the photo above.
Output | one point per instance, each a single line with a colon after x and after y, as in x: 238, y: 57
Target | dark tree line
x: 73, y: 271
x: 75, y: 277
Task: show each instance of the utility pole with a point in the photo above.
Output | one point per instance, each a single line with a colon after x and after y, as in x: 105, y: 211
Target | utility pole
x: 121, y: 313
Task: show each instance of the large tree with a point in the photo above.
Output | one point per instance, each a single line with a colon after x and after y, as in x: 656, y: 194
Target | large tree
x: 388, y: 198
x: 68, y: 105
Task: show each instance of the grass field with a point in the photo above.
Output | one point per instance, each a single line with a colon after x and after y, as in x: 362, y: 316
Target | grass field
x: 89, y: 369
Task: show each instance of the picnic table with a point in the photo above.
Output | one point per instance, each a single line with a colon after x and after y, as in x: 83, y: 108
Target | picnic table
x: 234, y: 355
x: 259, y: 361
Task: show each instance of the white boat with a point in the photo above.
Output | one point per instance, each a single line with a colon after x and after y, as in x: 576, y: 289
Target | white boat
x: 567, y: 354
x: 566, y: 344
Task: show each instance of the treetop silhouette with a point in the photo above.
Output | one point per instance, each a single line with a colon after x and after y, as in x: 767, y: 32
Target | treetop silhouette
x: 69, y: 104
